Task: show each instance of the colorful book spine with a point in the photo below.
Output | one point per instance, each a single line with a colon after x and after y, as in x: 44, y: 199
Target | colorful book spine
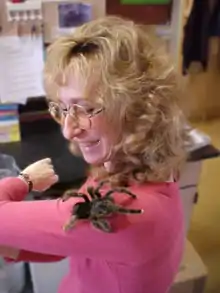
x: 9, y: 123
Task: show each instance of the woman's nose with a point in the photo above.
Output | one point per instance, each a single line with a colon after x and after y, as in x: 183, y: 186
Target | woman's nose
x: 70, y: 128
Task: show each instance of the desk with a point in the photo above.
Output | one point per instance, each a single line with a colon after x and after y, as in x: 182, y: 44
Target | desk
x: 206, y: 152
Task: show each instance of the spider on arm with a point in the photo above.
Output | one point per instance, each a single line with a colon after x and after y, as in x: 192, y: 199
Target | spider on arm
x: 96, y: 207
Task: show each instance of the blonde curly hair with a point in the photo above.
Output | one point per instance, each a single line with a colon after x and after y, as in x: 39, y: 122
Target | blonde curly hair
x: 138, y: 87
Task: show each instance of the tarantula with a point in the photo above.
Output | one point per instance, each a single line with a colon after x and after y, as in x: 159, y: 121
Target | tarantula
x: 98, y: 208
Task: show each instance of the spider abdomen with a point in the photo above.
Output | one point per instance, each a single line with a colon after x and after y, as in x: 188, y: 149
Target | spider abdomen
x: 101, y: 208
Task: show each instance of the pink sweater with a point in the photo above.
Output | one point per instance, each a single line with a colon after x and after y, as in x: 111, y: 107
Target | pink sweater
x: 141, y: 256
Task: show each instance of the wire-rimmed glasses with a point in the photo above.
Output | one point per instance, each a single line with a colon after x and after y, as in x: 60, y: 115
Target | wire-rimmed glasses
x: 81, y: 115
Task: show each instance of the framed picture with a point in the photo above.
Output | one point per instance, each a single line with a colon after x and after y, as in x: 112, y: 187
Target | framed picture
x: 72, y: 15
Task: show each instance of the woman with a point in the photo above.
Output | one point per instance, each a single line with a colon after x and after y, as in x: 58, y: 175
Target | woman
x: 115, y: 98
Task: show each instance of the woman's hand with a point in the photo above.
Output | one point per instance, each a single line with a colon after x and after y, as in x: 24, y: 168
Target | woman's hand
x: 41, y: 174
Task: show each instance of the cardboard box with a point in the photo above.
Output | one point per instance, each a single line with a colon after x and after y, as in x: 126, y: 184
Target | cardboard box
x: 188, y: 183
x: 192, y: 274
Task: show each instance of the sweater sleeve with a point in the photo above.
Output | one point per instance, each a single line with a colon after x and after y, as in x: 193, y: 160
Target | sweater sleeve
x: 13, y: 189
x: 38, y: 226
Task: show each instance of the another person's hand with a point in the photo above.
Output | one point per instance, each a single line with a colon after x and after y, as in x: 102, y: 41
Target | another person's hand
x: 41, y: 174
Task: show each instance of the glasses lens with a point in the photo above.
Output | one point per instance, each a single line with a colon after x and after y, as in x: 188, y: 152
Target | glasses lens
x: 56, y: 112
x: 81, y: 115
x: 77, y: 112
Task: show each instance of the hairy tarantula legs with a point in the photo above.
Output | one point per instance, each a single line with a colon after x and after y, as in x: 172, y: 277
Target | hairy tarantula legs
x: 128, y: 211
x: 94, y: 191
x: 70, y: 224
x: 102, y: 224
x: 94, y: 194
x: 120, y: 190
x: 72, y: 193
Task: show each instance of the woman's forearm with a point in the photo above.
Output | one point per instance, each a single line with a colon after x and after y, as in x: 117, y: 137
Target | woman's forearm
x: 13, y: 189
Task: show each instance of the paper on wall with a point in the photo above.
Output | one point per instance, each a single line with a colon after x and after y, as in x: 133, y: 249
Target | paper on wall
x: 21, y: 67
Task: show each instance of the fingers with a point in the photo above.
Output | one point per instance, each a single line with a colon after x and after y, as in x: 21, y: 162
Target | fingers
x: 51, y: 172
x: 46, y: 161
x: 52, y: 180
x: 42, y: 174
x: 55, y: 178
x: 49, y: 168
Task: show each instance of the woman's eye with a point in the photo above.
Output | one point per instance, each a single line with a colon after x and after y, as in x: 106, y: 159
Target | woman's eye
x: 90, y: 110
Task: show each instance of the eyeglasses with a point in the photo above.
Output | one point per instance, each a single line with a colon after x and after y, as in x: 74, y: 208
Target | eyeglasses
x: 81, y: 115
